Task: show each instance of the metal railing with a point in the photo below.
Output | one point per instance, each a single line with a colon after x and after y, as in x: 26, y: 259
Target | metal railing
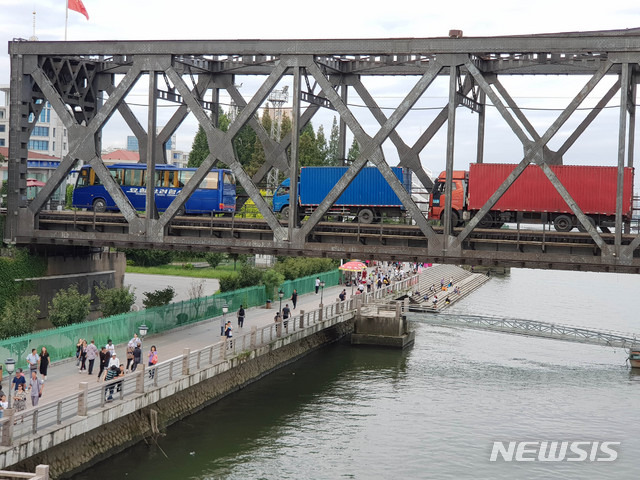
x: 16, y: 426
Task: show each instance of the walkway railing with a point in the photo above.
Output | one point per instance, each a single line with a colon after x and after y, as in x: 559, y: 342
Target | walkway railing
x: 15, y: 426
x: 41, y: 473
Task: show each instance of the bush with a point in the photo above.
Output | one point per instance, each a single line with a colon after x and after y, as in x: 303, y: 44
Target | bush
x: 19, y: 316
x: 250, y: 276
x: 148, y: 258
x: 114, y: 300
x: 294, y: 267
x: 229, y: 282
x: 69, y: 306
x: 159, y: 297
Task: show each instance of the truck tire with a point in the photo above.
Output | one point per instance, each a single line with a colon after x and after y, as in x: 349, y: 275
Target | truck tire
x: 563, y: 223
x: 591, y: 221
x: 99, y: 205
x: 455, y: 218
x: 486, y: 221
x: 365, y: 216
x: 284, y: 213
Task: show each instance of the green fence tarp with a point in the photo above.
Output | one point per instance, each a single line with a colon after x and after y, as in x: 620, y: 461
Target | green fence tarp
x: 61, y: 342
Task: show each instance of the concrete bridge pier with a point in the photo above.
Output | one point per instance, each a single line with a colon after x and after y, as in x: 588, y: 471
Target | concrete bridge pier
x: 383, y: 325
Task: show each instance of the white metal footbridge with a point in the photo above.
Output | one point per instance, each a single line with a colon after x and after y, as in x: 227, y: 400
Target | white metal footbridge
x: 532, y: 328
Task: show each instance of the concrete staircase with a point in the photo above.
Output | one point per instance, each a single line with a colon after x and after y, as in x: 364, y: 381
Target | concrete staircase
x: 466, y: 282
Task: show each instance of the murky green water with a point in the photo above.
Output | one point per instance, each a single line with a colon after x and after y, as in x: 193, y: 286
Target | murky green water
x: 432, y: 411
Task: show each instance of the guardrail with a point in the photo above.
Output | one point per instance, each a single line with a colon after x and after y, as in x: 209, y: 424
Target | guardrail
x: 15, y: 426
x: 41, y: 473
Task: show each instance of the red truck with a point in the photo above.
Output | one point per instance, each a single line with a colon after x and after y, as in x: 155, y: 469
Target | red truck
x: 532, y: 198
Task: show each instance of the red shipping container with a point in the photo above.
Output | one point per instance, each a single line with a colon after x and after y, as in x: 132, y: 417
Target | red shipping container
x: 593, y: 188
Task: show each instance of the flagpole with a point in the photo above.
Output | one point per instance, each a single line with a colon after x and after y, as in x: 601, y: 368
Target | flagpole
x: 66, y: 21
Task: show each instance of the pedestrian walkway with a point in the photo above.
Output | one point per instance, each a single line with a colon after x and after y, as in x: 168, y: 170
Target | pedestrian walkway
x: 64, y: 377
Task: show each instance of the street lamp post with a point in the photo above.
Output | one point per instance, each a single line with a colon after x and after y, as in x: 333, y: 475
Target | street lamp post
x: 11, y: 366
x: 280, y: 295
x: 322, y: 284
x: 143, y: 329
x: 225, y: 309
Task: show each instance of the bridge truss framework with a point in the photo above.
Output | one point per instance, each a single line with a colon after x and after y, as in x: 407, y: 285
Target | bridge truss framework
x: 76, y: 77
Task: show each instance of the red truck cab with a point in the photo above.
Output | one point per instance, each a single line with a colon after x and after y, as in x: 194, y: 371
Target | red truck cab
x: 458, y: 197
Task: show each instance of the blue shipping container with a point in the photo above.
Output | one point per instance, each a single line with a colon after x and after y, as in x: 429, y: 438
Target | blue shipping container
x: 369, y: 188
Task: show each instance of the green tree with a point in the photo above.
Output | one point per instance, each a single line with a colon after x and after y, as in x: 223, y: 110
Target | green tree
x: 69, y: 306
x: 214, y: 258
x: 285, y: 126
x: 272, y: 280
x: 114, y: 300
x: 199, y: 149
x: 158, y: 298
x: 229, y: 282
x: 333, y: 156
x: 244, y: 145
x: 68, y: 196
x: 238, y: 257
x: 354, y: 151
x: 322, y: 147
x: 250, y: 276
x: 309, y: 154
x: 19, y: 316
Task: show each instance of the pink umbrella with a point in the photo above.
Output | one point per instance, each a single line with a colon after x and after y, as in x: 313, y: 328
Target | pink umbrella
x: 32, y: 182
x: 353, y: 266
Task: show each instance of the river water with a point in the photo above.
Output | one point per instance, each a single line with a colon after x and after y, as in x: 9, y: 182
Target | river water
x: 434, y: 410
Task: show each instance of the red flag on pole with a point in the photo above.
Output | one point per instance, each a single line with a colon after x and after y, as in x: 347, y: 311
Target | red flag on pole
x: 78, y: 6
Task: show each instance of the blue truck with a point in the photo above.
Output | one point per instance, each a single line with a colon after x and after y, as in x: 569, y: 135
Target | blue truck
x: 368, y: 197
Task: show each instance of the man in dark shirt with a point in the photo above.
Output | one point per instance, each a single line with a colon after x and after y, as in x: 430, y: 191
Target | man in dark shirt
x: 18, y: 379
x: 286, y: 311
x: 113, y: 372
x: 105, y: 358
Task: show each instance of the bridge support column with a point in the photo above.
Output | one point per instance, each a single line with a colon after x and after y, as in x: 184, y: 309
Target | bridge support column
x: 382, y: 325
x: 7, y: 428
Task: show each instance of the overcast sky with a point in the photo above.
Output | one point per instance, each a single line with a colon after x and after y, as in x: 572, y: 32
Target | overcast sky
x: 282, y: 19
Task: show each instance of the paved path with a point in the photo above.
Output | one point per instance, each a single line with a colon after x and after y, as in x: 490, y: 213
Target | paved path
x: 64, y: 377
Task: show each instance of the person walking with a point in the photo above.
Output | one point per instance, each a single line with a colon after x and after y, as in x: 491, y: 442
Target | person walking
x: 153, y: 360
x: 78, y: 350
x: 130, y: 347
x: 20, y: 398
x: 137, y: 357
x: 18, y: 380
x: 241, y: 315
x: 105, y: 358
x: 228, y: 332
x: 110, y: 347
x: 83, y: 356
x: 45, y: 360
x: 317, y: 284
x: 92, y: 354
x: 286, y: 311
x: 35, y: 388
x: 33, y: 359
x: 294, y: 298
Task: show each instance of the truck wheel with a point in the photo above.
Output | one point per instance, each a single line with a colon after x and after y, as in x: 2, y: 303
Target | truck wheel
x: 486, y: 221
x: 455, y: 219
x: 591, y: 221
x: 284, y: 213
x: 99, y: 205
x: 365, y: 216
x: 563, y: 223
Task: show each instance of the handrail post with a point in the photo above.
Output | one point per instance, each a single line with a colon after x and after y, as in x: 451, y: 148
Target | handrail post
x: 42, y: 472
x: 321, y: 313
x: 254, y: 334
x: 83, y: 399
x: 185, y: 361
x: 140, y: 380
x: 301, y: 319
x: 7, y: 428
x: 34, y: 422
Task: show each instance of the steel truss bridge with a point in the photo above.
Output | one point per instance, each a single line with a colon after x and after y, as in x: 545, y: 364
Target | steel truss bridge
x: 520, y: 326
x: 87, y: 82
